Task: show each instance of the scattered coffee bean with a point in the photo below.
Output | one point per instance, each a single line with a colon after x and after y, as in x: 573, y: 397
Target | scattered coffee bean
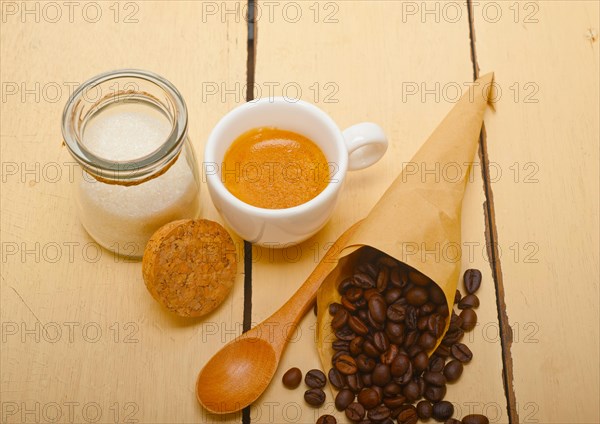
x: 442, y: 410
x: 436, y: 364
x: 469, y: 301
x: 424, y: 409
x: 336, y: 379
x: 462, y: 352
x: 452, y: 421
x: 469, y: 319
x: 314, y: 397
x: 381, y: 375
x: 292, y: 378
x: 326, y: 419
x: 434, y: 378
x: 355, y: 411
x: 475, y: 419
x: 453, y: 370
x: 434, y: 393
x: 472, y: 280
x: 315, y: 379
x: 344, y: 398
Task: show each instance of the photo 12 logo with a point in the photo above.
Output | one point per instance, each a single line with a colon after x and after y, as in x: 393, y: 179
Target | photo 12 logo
x: 69, y: 11
x: 290, y: 12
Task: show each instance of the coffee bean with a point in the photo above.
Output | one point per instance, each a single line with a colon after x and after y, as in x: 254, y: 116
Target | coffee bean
x: 436, y: 364
x: 469, y: 301
x: 346, y: 365
x: 392, y: 295
x: 457, y: 296
x: 326, y: 419
x: 355, y: 346
x: 382, y: 278
x: 442, y: 410
x: 362, y: 280
x: 462, y: 352
x: 394, y: 401
x: 408, y: 416
x: 443, y: 310
x: 434, y: 393
x: 339, y: 353
x: 453, y: 370
x: 339, y: 319
x: 400, y: 365
x: 364, y: 363
x: 381, y: 375
x: 340, y: 345
x: 417, y: 296
x: 411, y: 391
x: 315, y: 379
x: 422, y: 321
x: 469, y: 319
x: 396, y: 312
x: 475, y: 419
x: 392, y: 389
x: 292, y: 378
x: 420, y: 361
x: 314, y: 397
x: 442, y: 351
x: 426, y: 341
x: 354, y: 382
x: 389, y: 355
x: 452, y: 421
x: 370, y: 349
x: 395, y: 332
x: 436, y: 325
x: 424, y: 409
x: 357, y: 325
x: 333, y: 308
x: 344, y: 285
x: 380, y: 341
x: 453, y: 336
x: 417, y: 278
x: 345, y: 333
x: 336, y: 378
x: 369, y: 398
x: 436, y: 295
x: 355, y: 411
x: 353, y: 294
x: 344, y: 398
x: 349, y: 306
x: 398, y: 277
x: 377, y: 308
x: 472, y: 280
x: 366, y: 379
x: 368, y: 268
x: 434, y: 378
x: 411, y: 317
x: 379, y: 413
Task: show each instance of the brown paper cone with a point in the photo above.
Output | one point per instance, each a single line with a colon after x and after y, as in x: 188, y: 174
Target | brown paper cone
x: 418, y: 219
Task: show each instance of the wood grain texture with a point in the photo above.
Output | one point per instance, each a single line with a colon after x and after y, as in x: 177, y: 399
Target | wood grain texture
x: 81, y: 336
x: 543, y: 147
x: 366, y: 65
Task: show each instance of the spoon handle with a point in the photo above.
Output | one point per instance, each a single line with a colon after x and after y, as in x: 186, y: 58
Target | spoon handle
x: 285, y: 320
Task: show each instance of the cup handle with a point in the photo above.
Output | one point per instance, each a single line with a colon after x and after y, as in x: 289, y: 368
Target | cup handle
x: 366, y: 144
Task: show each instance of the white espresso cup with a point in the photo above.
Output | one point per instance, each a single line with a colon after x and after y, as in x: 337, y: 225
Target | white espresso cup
x: 357, y: 147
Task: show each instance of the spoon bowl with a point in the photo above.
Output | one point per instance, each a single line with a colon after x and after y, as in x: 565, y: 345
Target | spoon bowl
x: 219, y: 386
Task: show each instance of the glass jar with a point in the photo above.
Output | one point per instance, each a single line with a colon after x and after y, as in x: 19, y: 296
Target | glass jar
x: 128, y: 131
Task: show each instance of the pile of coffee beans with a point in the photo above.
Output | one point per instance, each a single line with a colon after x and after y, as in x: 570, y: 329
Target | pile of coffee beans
x: 389, y: 317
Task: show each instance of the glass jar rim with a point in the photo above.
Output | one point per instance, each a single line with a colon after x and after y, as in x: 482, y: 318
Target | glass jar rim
x: 136, y: 170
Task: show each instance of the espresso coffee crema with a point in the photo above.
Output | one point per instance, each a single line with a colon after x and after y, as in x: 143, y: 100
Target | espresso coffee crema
x: 274, y: 169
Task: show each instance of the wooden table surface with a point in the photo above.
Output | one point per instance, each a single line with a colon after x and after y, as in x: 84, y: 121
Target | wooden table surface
x: 82, y: 340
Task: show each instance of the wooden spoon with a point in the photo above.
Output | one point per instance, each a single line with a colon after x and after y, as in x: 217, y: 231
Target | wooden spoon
x: 241, y: 371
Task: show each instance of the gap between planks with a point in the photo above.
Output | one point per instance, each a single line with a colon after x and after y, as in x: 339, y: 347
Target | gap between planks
x: 491, y: 237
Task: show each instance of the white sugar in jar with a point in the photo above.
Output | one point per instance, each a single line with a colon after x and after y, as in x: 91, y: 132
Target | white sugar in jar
x: 128, y: 131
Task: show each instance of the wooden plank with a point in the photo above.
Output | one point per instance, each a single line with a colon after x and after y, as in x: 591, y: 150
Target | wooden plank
x: 363, y: 61
x: 82, y: 338
x: 543, y: 149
